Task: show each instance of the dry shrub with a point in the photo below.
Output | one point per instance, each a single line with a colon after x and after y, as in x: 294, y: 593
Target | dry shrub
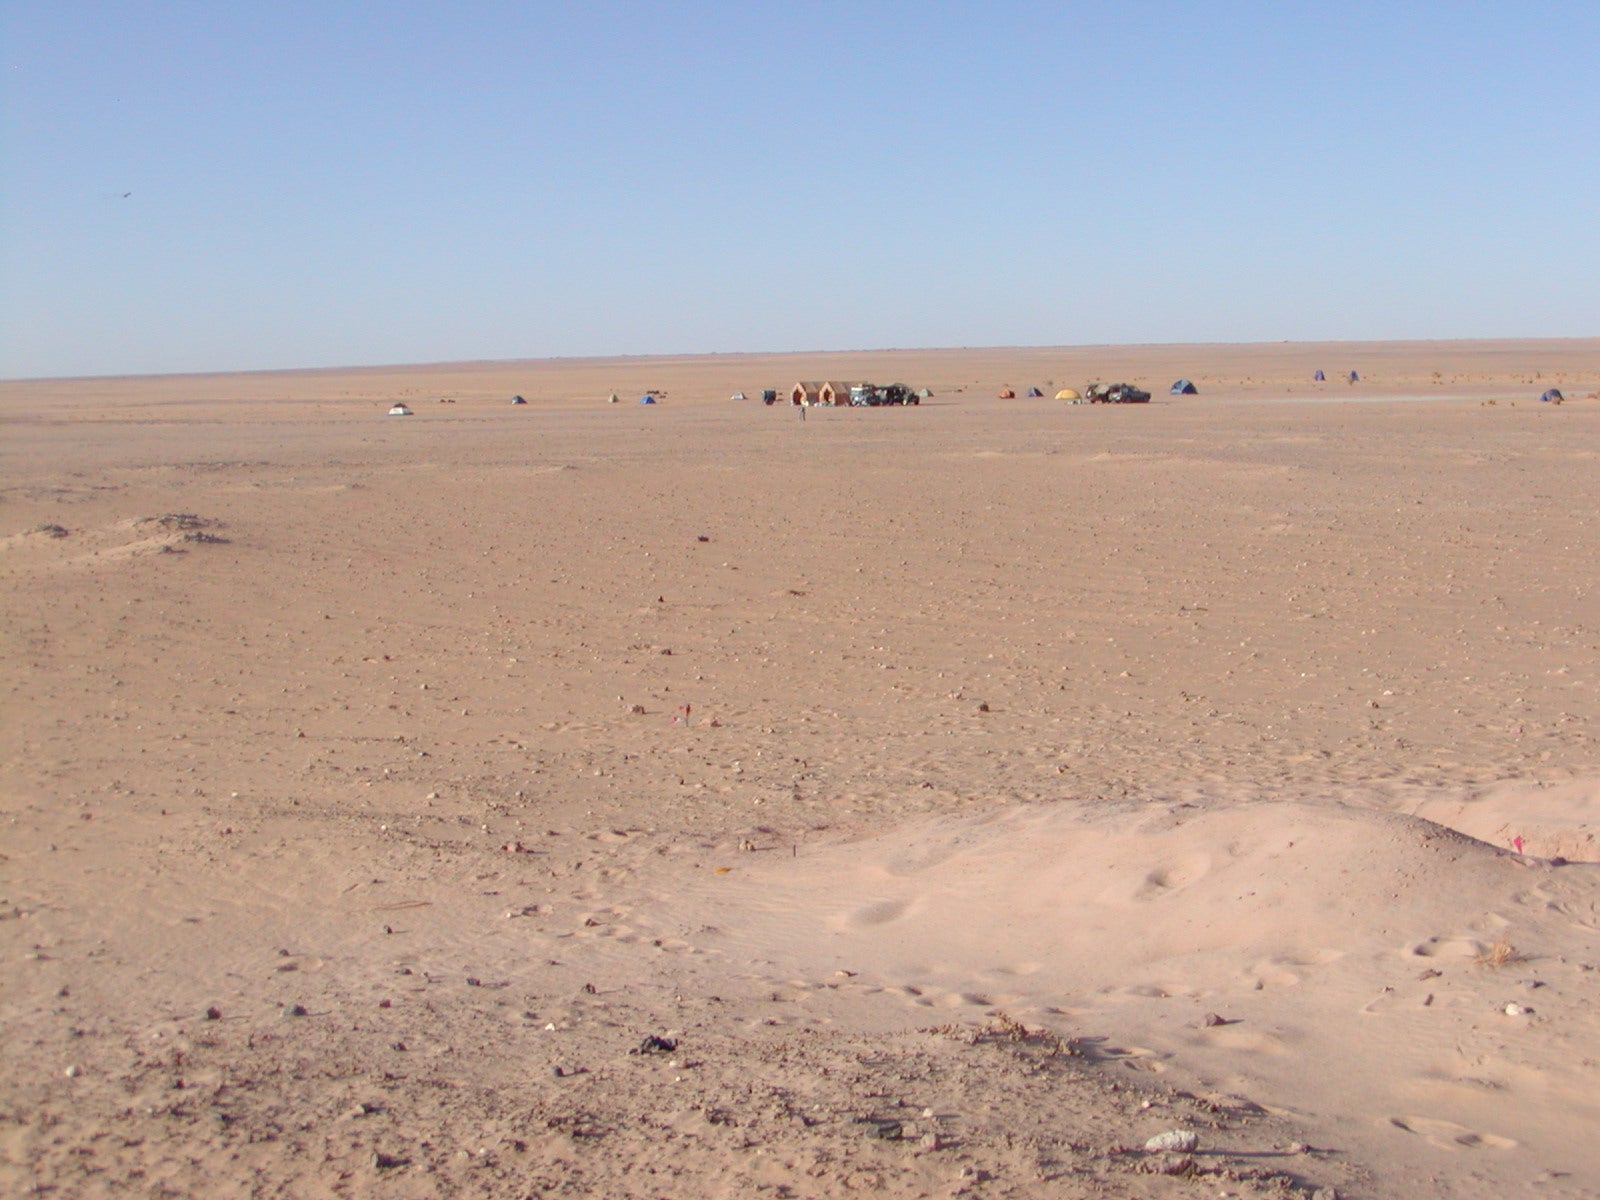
x: 1498, y: 954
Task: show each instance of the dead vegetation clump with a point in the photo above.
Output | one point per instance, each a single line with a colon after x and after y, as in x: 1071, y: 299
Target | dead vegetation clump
x: 1002, y: 1027
x: 1498, y: 954
x: 192, y: 526
x: 178, y: 521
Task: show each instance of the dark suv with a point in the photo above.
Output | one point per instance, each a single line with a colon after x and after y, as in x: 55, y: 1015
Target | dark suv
x: 1116, y: 393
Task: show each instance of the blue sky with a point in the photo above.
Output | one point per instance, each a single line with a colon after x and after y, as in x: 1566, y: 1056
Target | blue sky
x: 334, y: 183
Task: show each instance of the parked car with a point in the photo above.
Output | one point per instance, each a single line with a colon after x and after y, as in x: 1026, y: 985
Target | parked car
x: 1115, y: 393
x: 868, y: 395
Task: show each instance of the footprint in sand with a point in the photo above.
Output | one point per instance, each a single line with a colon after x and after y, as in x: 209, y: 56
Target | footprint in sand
x: 1583, y: 912
x: 1446, y: 947
x: 1246, y: 1041
x: 880, y: 913
x: 1152, y: 991
x: 912, y: 862
x: 1160, y: 881
x: 1135, y: 1058
x: 970, y: 1000
x: 301, y: 963
x: 1447, y: 1135
x: 911, y: 994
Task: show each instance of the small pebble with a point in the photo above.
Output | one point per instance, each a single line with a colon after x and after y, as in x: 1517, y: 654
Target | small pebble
x: 1180, y: 1164
x: 1518, y: 1010
x: 294, y: 1010
x: 1212, y: 1019
x: 213, y: 1013
x: 73, y: 1071
x: 930, y: 1141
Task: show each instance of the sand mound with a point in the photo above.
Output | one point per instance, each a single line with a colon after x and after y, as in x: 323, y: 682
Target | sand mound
x: 1351, y: 966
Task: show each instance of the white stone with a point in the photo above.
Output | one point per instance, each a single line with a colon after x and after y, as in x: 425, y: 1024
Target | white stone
x: 1179, y: 1140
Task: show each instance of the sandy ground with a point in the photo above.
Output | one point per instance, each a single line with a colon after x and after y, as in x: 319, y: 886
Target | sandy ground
x: 592, y: 800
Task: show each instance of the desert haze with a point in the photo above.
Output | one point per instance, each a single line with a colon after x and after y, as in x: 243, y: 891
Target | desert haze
x: 989, y: 798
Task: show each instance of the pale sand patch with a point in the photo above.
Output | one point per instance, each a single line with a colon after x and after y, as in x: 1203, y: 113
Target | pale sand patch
x: 1345, y: 952
x: 832, y: 750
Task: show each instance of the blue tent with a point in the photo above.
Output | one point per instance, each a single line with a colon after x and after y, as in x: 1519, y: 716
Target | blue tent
x: 647, y: 399
x: 1553, y: 396
x: 1354, y: 378
x: 1319, y: 376
x: 1183, y: 388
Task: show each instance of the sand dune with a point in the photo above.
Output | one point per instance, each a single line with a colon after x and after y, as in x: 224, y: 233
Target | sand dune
x: 961, y: 796
x: 1350, y: 967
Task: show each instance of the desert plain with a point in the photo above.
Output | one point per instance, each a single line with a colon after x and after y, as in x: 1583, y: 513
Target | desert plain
x: 691, y: 800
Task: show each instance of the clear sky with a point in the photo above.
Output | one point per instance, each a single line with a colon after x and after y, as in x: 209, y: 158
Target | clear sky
x: 191, y: 185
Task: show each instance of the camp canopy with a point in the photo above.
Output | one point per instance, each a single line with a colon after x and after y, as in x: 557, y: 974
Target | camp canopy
x: 1068, y: 394
x: 1183, y: 387
x: 399, y: 410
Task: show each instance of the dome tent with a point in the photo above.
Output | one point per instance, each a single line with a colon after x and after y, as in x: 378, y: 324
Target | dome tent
x: 1068, y: 394
x: 1183, y: 387
x: 1034, y: 393
x: 1552, y: 396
